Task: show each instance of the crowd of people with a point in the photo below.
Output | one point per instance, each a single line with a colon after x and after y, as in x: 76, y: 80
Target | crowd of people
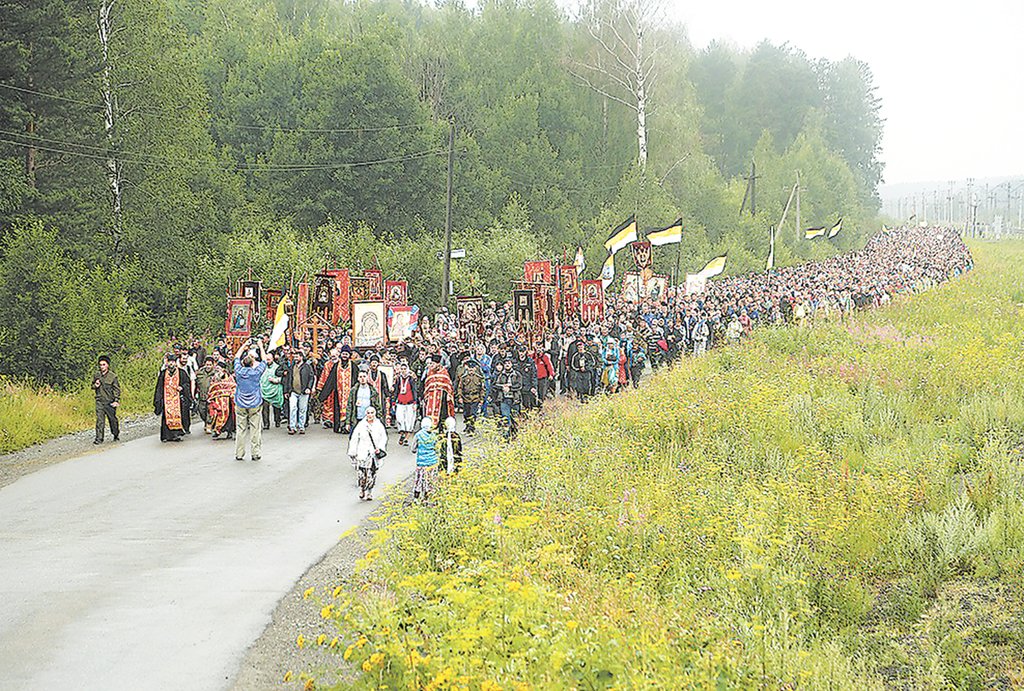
x: 496, y: 370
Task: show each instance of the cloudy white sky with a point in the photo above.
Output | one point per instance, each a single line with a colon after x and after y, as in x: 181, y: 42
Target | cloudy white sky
x: 950, y: 75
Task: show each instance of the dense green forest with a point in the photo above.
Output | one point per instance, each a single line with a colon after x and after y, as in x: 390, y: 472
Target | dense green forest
x: 152, y: 151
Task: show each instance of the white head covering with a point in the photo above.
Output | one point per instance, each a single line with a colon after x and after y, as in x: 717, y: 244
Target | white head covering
x: 450, y: 424
x: 427, y: 424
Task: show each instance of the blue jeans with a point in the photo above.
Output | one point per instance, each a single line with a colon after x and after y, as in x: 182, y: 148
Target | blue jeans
x: 509, y: 411
x: 487, y: 398
x: 297, y: 409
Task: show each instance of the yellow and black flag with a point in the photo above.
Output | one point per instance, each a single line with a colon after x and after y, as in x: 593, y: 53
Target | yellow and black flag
x: 666, y: 236
x: 713, y: 267
x: 812, y: 233
x: 835, y: 229
x: 624, y: 234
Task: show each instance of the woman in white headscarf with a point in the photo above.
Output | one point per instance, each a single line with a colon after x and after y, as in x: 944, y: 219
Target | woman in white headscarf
x: 366, y: 448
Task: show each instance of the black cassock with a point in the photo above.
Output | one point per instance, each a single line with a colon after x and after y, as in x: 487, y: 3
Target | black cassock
x: 185, y: 399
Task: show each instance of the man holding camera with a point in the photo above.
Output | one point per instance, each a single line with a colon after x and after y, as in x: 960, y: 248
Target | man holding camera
x: 249, y: 368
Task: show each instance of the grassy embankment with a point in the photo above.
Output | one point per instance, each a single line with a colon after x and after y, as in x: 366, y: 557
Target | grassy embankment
x: 835, y: 507
x: 30, y: 415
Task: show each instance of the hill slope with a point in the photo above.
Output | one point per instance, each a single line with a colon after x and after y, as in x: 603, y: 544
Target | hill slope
x: 830, y: 507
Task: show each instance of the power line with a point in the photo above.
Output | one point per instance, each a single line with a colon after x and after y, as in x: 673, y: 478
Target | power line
x: 285, y: 168
x: 276, y: 128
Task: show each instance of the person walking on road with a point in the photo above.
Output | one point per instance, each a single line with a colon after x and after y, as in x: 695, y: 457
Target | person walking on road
x: 367, y: 447
x: 298, y: 382
x: 249, y: 400
x: 108, y: 398
x: 424, y: 445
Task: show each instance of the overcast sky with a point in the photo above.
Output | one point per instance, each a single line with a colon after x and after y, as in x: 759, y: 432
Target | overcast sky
x: 951, y: 81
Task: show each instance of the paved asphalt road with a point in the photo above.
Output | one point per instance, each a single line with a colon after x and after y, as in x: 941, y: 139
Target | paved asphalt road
x: 155, y: 566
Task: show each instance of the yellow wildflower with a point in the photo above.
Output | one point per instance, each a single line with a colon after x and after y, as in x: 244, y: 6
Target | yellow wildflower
x: 288, y: 676
x: 307, y: 593
x: 321, y: 638
x: 513, y: 586
x: 300, y: 641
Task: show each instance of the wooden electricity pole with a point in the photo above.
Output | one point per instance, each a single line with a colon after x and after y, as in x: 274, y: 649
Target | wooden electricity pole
x: 448, y: 217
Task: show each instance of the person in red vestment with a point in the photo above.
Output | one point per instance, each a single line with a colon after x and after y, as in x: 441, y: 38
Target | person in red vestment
x: 334, y: 386
x: 438, y: 393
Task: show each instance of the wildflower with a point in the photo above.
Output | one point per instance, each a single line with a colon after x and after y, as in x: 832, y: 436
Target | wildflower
x: 513, y: 586
x: 372, y: 554
x: 307, y: 593
x: 348, y: 652
x: 733, y: 575
x: 571, y: 625
x: 288, y: 676
x: 337, y: 592
x: 333, y: 644
x: 326, y: 612
x: 301, y: 641
x: 321, y: 638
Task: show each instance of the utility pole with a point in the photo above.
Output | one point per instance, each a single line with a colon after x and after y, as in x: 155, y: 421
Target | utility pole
x: 798, y: 206
x: 968, y: 221
x: 751, y: 191
x: 446, y: 279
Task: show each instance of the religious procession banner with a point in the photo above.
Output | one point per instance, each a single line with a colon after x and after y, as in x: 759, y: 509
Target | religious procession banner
x: 239, y: 321
x: 323, y: 294
x: 402, y: 321
x: 470, y: 310
x: 657, y: 287
x: 341, y: 309
x: 538, y: 272
x: 250, y: 290
x: 301, y: 306
x: 375, y: 277
x: 523, y: 309
x: 591, y: 300
x: 568, y: 291
x: 695, y: 284
x: 368, y: 323
x: 396, y: 293
x: 359, y: 289
x: 632, y: 287
x: 642, y: 254
x: 273, y: 297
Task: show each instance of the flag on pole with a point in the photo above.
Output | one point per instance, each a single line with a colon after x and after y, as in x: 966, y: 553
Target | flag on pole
x: 277, y: 338
x: 608, y: 271
x: 667, y: 236
x: 624, y: 234
x: 713, y: 267
x: 581, y: 261
x: 835, y: 229
x: 812, y: 233
x: 770, y: 263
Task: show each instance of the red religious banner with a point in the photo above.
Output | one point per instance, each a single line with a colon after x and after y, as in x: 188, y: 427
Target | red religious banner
x: 340, y: 303
x: 568, y: 290
x: 591, y: 300
x: 239, y: 320
x: 376, y: 280
x: 359, y: 289
x: 302, y: 304
x: 273, y: 297
x: 538, y: 272
x: 396, y: 293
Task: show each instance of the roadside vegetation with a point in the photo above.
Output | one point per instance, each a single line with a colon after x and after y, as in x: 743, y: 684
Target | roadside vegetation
x: 31, y: 414
x: 831, y: 507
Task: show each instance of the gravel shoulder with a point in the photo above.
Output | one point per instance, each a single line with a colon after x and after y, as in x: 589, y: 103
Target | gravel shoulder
x: 20, y: 463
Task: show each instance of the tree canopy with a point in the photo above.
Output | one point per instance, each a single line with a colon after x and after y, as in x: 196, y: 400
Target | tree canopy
x: 277, y: 134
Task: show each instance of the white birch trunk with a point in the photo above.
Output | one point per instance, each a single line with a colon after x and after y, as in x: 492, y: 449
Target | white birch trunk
x: 115, y: 178
x: 641, y: 101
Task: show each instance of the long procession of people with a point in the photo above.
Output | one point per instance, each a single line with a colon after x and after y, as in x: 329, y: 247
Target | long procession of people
x: 416, y: 386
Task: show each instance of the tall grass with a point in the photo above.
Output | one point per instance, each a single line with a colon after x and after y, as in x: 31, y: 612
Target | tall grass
x: 30, y: 415
x: 743, y: 520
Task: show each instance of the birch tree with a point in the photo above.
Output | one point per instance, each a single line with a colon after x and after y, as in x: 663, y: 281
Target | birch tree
x: 106, y: 27
x: 623, y: 67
